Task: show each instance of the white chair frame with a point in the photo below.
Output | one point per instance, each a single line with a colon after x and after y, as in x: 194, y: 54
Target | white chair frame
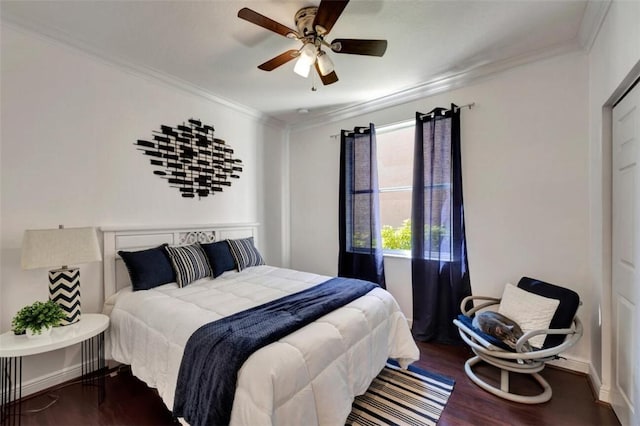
x: 520, y: 361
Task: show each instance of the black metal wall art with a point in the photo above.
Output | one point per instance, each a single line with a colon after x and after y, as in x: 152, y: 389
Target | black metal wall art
x: 191, y: 159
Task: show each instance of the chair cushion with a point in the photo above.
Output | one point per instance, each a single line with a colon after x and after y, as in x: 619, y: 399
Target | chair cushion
x: 529, y: 310
x: 468, y: 322
x: 569, y: 302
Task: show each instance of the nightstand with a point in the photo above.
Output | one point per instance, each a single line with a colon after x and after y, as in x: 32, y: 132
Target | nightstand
x: 89, y: 331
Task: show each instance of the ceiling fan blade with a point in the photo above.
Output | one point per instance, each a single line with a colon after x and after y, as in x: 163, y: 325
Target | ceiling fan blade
x: 281, y: 59
x: 330, y: 78
x: 359, y: 47
x: 261, y: 20
x: 328, y: 13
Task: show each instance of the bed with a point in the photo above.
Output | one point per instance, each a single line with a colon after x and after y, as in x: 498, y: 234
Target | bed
x: 309, y: 377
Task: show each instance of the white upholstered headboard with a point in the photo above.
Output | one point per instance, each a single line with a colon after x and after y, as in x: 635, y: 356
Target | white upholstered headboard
x: 132, y: 238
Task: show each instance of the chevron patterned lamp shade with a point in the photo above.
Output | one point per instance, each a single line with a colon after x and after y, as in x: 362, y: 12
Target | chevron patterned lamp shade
x: 42, y: 248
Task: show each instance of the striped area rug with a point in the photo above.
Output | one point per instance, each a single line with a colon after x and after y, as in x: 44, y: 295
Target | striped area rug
x: 402, y: 397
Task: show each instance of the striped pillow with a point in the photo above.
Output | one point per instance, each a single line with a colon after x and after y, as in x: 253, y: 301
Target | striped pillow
x: 189, y: 263
x: 245, y: 253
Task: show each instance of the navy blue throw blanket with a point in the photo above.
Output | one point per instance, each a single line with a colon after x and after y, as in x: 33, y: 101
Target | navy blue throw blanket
x: 216, y: 351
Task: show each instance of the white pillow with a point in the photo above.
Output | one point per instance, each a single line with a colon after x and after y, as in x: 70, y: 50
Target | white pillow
x: 529, y: 310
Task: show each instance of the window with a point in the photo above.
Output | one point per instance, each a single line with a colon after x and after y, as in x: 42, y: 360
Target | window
x: 361, y: 194
x: 395, y: 146
x: 395, y: 175
x: 360, y: 254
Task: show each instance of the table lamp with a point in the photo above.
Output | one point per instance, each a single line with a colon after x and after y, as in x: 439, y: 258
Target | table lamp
x: 43, y: 248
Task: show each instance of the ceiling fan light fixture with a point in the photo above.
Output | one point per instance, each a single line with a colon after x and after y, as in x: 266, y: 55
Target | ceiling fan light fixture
x: 325, y: 65
x: 302, y: 67
x: 309, y: 51
x: 306, y: 59
x: 313, y: 25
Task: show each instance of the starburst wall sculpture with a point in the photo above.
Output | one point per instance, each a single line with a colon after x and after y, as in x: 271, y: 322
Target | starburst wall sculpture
x: 191, y: 159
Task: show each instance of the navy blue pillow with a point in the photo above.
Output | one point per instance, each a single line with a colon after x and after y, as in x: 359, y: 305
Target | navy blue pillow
x: 148, y: 268
x: 569, y: 302
x: 220, y: 257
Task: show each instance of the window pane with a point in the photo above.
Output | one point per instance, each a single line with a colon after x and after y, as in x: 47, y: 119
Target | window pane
x: 395, y: 176
x: 437, y: 162
x: 395, y: 157
x: 359, y: 195
x: 361, y: 226
x: 437, y: 209
x: 437, y: 184
x: 361, y: 163
x: 395, y: 216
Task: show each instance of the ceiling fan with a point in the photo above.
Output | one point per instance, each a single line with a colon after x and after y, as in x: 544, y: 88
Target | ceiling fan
x: 313, y: 24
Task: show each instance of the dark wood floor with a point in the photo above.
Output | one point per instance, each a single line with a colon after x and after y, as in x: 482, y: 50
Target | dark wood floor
x: 131, y: 402
x: 573, y: 402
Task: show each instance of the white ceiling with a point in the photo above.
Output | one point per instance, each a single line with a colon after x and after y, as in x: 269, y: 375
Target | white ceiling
x: 203, y: 44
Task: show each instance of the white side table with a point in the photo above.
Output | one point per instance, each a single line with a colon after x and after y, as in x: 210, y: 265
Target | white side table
x: 89, y: 331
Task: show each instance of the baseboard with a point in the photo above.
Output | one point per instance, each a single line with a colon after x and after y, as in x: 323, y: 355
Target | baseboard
x: 605, y: 395
x: 600, y: 392
x: 47, y: 381
x: 573, y: 364
x: 596, y: 384
x: 603, y: 392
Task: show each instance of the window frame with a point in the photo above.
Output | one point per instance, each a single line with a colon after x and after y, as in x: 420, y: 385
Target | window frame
x: 350, y: 194
x: 404, y: 254
x: 401, y: 125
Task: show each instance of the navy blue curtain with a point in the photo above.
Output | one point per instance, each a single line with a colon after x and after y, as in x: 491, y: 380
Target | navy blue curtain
x: 359, y: 208
x: 439, y: 267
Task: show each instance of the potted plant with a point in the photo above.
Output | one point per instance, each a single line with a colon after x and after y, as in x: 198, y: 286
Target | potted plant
x: 37, y: 319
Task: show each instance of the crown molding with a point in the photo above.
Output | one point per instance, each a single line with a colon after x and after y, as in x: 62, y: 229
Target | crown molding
x: 66, y: 40
x: 594, y: 14
x: 439, y: 84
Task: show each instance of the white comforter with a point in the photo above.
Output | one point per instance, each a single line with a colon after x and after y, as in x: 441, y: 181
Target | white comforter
x: 307, y: 378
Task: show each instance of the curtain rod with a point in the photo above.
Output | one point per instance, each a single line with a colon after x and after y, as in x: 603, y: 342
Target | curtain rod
x: 359, y: 130
x: 469, y: 105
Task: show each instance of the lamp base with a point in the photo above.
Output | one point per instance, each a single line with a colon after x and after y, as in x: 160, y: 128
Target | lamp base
x: 64, y: 289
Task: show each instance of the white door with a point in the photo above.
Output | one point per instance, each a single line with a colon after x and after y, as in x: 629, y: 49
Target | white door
x: 626, y: 257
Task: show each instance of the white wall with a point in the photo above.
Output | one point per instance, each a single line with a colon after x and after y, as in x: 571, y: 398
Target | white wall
x: 525, y: 172
x: 69, y: 121
x: 614, y: 62
x: 529, y: 209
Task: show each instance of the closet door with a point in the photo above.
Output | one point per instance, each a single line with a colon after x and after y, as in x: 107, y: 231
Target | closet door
x: 626, y: 257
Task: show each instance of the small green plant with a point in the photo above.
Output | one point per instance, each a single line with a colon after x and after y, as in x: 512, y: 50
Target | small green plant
x: 37, y: 317
x: 399, y: 238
